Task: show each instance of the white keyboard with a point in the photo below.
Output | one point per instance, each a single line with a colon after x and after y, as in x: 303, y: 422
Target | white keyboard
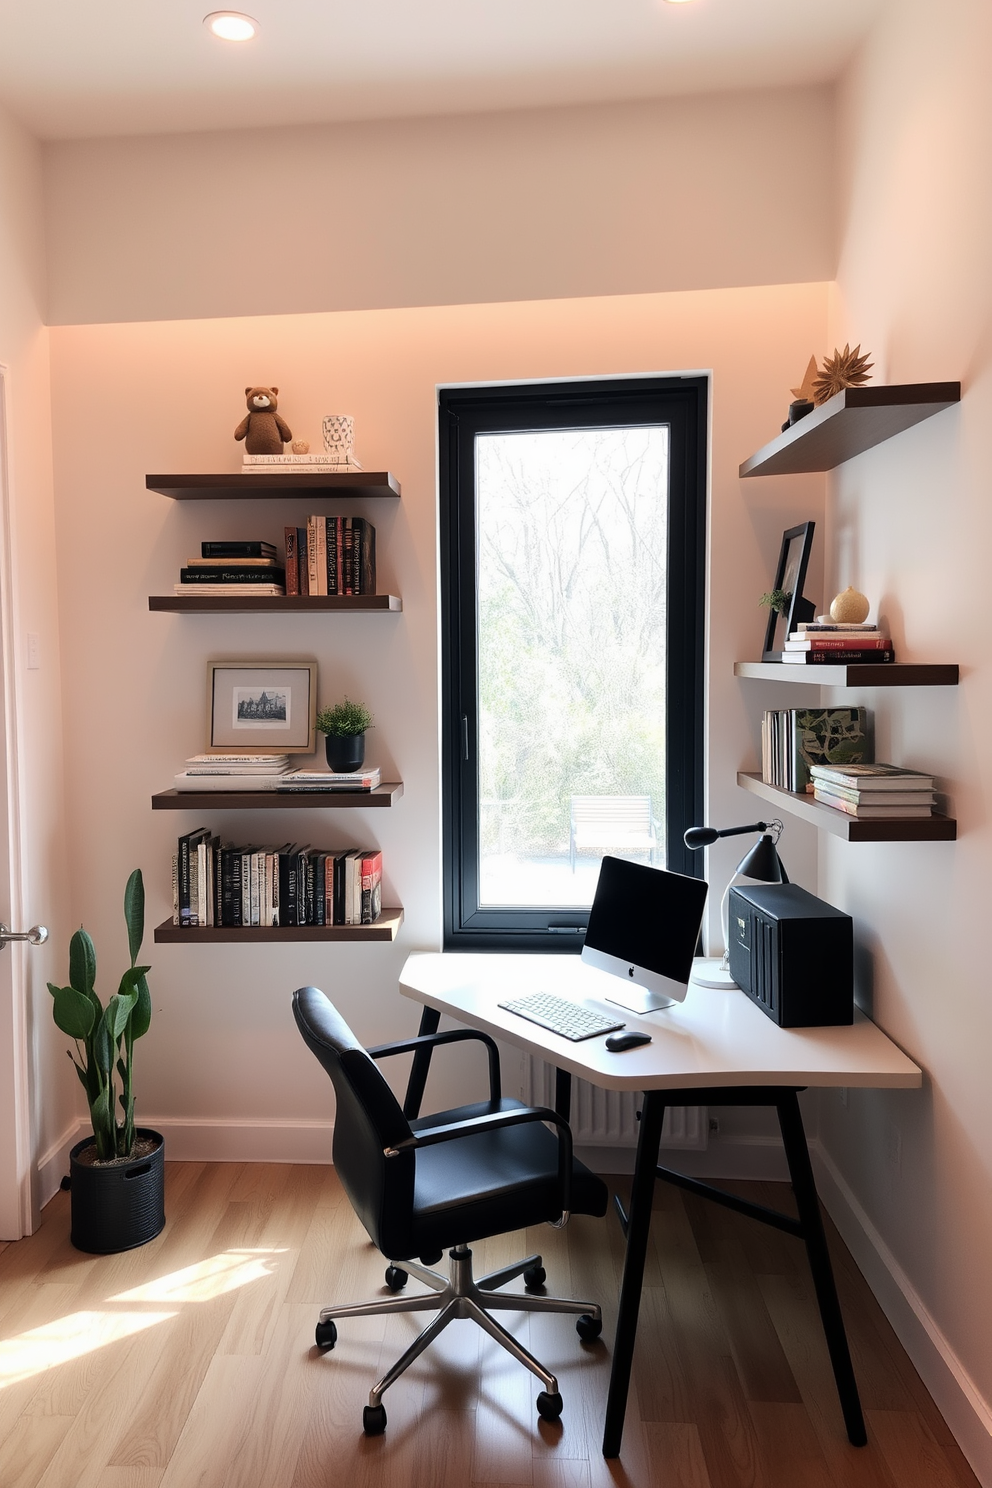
x: 562, y: 1016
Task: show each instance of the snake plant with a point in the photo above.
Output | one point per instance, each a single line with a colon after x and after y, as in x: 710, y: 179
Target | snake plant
x: 105, y: 1036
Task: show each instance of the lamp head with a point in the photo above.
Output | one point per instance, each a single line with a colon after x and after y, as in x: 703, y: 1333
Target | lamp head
x: 763, y: 862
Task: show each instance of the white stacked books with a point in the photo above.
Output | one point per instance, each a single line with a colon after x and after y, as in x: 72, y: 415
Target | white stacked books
x: 233, y: 772
x: 305, y: 464
x: 328, y: 780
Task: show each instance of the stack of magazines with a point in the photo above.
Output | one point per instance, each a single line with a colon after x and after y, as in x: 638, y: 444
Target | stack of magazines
x: 874, y: 791
x: 233, y: 772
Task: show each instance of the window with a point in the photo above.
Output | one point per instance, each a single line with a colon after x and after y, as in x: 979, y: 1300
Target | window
x: 572, y: 547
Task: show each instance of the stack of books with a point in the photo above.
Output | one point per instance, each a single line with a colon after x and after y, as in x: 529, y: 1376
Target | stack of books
x: 308, y: 464
x: 327, y: 780
x: 233, y: 772
x: 215, y: 883
x: 233, y: 568
x: 834, y: 645
x: 331, y: 555
x: 874, y: 791
x: 794, y: 740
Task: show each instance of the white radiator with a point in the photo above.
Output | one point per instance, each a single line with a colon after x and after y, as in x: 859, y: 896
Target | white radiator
x: 608, y: 1118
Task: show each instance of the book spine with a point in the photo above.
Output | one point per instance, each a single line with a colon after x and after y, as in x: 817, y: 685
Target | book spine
x: 367, y: 585
x: 222, y: 575
x: 292, y: 562
x: 838, y: 657
x: 332, y: 554
x: 237, y: 550
x: 841, y: 643
x: 175, y: 888
x: 320, y: 526
x: 348, y: 542
x: 312, y: 555
x: 183, y: 854
x: 339, y: 550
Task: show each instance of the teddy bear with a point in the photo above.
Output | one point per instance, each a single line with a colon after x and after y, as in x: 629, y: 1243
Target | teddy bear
x: 262, y: 430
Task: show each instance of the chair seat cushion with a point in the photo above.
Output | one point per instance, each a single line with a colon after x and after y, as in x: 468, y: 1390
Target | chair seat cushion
x: 487, y: 1183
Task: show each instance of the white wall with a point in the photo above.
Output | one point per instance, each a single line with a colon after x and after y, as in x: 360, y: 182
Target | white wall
x: 39, y: 870
x: 223, y: 1054
x: 911, y: 525
x: 540, y: 204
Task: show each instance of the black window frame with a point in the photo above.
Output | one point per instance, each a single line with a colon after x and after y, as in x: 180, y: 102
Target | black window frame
x: 464, y: 412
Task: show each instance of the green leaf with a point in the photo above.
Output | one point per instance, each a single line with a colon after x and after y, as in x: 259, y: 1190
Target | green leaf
x: 134, y: 913
x: 118, y: 1012
x: 81, y: 1073
x: 102, y: 1118
x: 142, y: 1015
x: 82, y: 962
x: 73, y: 1012
x: 103, y: 1043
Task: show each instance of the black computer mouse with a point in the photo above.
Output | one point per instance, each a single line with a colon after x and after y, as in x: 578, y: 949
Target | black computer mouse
x: 617, y: 1042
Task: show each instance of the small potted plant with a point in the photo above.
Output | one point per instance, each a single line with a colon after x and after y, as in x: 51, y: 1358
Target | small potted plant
x: 344, y: 726
x: 117, y: 1175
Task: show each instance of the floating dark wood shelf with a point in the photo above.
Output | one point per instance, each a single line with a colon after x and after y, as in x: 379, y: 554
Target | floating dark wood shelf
x: 175, y: 800
x: 848, y: 424
x: 273, y: 487
x: 860, y: 674
x: 385, y: 928
x: 220, y: 604
x: 934, y: 828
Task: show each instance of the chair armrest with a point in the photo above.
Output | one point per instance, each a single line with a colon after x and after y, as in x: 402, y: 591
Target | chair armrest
x: 430, y: 1136
x: 427, y: 1041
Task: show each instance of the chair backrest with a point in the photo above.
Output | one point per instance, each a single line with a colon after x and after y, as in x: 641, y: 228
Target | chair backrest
x: 622, y: 812
x: 368, y: 1120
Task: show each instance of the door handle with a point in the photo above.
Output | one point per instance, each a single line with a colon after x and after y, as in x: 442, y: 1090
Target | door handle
x: 37, y: 935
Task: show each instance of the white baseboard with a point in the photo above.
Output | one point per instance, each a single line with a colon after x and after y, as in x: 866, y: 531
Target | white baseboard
x: 53, y: 1165
x: 957, y: 1397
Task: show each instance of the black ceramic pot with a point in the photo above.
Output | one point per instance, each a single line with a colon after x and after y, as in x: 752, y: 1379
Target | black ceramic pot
x: 117, y: 1206
x: 345, y: 753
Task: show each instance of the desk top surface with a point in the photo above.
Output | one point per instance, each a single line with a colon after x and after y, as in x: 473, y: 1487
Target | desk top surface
x: 713, y: 1038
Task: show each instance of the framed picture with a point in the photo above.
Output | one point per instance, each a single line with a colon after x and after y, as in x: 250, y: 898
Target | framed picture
x: 790, y: 575
x: 261, y: 707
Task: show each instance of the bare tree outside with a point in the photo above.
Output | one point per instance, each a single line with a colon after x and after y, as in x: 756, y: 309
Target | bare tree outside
x: 572, y: 531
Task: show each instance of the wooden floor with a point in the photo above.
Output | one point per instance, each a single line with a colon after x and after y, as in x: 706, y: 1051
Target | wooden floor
x: 189, y: 1363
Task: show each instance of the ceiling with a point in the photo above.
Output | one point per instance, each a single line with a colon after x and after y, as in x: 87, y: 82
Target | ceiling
x: 79, y: 68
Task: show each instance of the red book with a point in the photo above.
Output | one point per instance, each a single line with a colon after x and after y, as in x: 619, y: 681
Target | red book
x: 371, y: 887
x: 840, y: 643
x: 292, y: 563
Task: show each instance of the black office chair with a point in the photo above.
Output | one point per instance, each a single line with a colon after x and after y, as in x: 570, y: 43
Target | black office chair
x: 435, y: 1183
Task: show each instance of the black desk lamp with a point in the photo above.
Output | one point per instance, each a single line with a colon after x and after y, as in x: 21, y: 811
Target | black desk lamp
x: 761, y: 862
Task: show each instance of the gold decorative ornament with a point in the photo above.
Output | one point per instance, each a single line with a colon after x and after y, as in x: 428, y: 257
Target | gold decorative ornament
x: 844, y: 369
x: 849, y: 608
x: 805, y: 390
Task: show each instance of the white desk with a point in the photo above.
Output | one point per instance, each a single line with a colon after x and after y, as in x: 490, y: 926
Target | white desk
x: 715, y: 1048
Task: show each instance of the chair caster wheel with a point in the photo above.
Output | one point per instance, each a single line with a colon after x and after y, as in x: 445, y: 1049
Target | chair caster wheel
x: 589, y: 1328
x: 374, y: 1420
x: 396, y: 1278
x: 326, y: 1334
x: 534, y: 1278
x: 549, y: 1407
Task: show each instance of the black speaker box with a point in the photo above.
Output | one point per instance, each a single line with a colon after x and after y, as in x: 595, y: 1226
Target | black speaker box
x: 792, y: 954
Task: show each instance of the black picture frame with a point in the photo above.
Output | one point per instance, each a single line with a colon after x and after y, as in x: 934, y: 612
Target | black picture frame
x: 790, y: 575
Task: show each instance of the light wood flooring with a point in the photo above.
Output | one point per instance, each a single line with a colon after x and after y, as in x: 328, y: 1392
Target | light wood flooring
x: 189, y: 1363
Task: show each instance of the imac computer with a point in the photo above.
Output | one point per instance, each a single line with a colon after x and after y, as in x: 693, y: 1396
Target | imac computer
x: 643, y: 929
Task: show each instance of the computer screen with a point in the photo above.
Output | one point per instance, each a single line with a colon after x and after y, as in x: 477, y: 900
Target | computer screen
x: 643, y: 928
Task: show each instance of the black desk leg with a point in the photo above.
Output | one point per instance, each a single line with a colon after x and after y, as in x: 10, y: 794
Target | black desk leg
x: 563, y: 1094
x: 419, y: 1070
x: 638, y: 1227
x: 801, y: 1172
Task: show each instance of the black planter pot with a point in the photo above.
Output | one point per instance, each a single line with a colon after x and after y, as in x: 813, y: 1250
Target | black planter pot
x: 117, y: 1206
x: 345, y: 753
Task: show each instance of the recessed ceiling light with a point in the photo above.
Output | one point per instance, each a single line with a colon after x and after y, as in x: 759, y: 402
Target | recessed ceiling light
x: 230, y: 25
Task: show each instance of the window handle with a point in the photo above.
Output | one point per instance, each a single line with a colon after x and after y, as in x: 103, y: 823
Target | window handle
x: 465, y: 736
